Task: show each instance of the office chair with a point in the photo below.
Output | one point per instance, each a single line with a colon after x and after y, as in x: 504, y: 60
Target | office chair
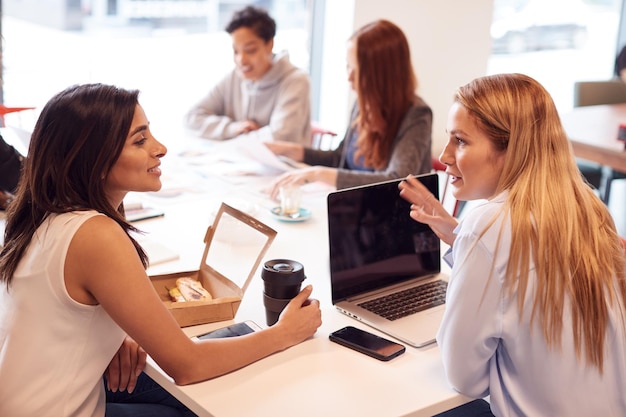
x: 591, y: 93
x: 318, y: 136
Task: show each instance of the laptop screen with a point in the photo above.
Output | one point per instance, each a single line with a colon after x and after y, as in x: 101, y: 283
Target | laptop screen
x: 374, y: 243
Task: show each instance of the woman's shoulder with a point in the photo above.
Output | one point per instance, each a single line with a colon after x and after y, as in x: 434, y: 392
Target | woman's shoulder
x: 487, y: 215
x: 76, y: 217
x: 66, y: 226
x: 419, y: 109
x: 90, y: 221
x: 419, y: 114
x: 420, y: 105
x: 95, y: 221
x: 101, y: 234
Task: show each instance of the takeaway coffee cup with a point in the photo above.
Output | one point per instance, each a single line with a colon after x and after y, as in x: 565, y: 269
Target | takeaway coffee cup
x: 282, y: 280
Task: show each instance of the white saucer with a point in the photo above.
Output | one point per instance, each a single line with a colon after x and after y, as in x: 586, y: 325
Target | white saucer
x: 303, y: 214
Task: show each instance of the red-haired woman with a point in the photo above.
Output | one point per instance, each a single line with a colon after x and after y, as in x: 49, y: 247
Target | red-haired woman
x: 389, y: 135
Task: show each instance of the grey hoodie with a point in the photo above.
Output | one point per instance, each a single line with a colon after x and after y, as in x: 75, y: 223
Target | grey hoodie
x: 279, y: 102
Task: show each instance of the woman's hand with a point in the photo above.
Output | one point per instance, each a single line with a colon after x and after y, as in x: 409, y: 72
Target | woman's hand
x: 125, y: 367
x: 302, y: 176
x: 301, y: 317
x: 293, y: 151
x: 425, y: 208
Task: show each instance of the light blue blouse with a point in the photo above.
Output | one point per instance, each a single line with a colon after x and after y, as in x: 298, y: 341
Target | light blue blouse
x: 487, y: 349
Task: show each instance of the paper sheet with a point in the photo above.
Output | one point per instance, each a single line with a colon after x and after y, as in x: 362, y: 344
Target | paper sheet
x: 251, y: 145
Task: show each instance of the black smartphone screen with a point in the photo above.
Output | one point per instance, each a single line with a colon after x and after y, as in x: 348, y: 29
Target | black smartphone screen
x: 367, y: 343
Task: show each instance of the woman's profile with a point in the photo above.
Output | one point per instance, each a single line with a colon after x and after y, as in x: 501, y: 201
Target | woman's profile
x: 390, y: 127
x: 77, y: 311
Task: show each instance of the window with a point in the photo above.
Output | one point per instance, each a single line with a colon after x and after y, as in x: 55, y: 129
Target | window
x: 171, y: 50
x: 556, y: 42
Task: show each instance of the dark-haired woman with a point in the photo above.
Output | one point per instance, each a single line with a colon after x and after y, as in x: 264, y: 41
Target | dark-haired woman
x: 74, y: 293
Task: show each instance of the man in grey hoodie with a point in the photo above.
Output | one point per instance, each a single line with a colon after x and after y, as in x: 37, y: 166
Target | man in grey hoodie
x: 264, y: 94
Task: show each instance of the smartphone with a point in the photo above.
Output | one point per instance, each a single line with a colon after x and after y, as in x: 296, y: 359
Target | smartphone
x: 367, y: 343
x: 237, y: 329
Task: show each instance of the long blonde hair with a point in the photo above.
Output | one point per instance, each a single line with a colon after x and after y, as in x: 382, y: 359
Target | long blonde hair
x: 556, y: 219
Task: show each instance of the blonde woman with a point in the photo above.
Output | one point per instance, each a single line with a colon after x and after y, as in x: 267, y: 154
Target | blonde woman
x: 535, y: 314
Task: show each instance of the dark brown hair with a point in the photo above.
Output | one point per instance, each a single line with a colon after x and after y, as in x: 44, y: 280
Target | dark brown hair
x: 78, y: 137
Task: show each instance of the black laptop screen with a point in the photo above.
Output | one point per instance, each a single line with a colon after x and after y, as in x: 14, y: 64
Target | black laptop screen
x: 374, y: 243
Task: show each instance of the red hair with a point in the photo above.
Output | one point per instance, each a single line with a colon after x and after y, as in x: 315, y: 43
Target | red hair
x: 386, y: 85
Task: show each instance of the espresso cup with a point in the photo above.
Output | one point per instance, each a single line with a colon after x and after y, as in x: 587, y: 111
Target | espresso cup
x: 282, y: 279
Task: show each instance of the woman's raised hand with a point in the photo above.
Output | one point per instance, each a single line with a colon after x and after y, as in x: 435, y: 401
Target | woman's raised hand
x: 425, y: 208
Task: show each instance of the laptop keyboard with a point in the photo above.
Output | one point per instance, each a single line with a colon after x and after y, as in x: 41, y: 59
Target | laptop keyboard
x: 406, y: 302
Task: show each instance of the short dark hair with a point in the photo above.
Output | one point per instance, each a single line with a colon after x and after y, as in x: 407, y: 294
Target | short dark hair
x: 256, y: 19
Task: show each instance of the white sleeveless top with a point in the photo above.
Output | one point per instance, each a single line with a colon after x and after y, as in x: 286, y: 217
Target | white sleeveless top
x: 53, y: 350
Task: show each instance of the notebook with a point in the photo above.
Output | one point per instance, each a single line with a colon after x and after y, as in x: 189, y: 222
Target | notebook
x: 376, y: 250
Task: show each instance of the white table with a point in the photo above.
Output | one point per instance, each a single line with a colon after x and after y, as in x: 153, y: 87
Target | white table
x: 593, y: 133
x: 317, y: 377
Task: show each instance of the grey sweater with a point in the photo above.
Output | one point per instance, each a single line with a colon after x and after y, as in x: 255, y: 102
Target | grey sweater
x: 279, y: 102
x: 410, y: 154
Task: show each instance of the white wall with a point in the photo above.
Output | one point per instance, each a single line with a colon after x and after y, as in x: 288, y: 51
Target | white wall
x: 450, y: 45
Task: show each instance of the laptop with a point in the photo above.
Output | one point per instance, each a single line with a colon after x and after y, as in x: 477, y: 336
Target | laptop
x: 376, y: 251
